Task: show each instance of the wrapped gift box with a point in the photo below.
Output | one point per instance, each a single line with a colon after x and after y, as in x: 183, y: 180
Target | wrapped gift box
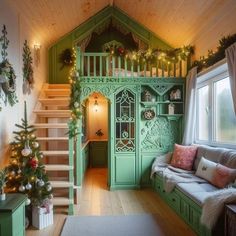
x: 42, y: 217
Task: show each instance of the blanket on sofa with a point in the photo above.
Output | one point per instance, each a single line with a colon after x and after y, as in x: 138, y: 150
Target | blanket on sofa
x: 214, y: 205
x: 171, y: 175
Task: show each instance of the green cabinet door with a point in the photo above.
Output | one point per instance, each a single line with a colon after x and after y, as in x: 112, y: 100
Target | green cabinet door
x: 98, y: 153
x: 12, y: 215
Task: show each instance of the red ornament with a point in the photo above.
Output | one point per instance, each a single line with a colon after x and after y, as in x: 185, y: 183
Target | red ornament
x: 121, y: 51
x: 33, y: 163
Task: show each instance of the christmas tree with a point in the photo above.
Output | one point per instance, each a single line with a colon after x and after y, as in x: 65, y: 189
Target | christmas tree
x: 26, y: 171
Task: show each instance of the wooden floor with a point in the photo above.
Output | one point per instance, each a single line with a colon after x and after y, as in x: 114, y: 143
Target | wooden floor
x: 95, y: 199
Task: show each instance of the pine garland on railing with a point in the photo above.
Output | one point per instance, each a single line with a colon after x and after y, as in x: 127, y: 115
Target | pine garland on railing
x: 74, y: 101
x: 216, y: 56
x: 153, y: 55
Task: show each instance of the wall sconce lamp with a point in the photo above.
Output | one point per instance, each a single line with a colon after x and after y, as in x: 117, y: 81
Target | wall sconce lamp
x: 37, y: 54
x: 96, y: 104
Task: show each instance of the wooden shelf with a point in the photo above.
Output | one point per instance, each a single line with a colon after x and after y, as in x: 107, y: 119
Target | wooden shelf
x: 150, y: 104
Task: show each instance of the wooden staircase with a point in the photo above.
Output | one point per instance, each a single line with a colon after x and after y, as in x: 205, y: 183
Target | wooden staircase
x: 52, y: 116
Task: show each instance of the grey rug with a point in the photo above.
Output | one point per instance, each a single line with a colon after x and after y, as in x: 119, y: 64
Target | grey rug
x: 125, y: 225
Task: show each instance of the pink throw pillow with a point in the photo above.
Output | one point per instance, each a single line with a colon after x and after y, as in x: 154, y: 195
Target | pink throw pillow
x: 183, y: 156
x: 223, y: 176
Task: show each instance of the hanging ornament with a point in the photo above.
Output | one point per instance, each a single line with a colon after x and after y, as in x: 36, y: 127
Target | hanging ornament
x: 32, y: 136
x: 33, y: 162
x: 41, y: 183
x: 19, y: 171
x: 50, y: 196
x: 22, y: 188
x: 27, y: 202
x: 35, y: 144
x: 49, y: 187
x: 12, y: 173
x: 41, y: 155
x: 26, y: 151
x: 28, y: 186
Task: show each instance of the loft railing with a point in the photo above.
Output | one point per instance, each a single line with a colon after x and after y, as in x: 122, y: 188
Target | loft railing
x: 106, y: 65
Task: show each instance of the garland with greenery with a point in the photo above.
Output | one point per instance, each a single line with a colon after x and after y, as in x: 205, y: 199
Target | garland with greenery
x: 152, y: 55
x: 28, y: 79
x: 67, y: 58
x: 7, y: 74
x: 216, y: 56
x: 74, y: 102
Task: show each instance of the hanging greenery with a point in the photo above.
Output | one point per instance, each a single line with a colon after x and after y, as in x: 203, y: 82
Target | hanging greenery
x: 28, y: 79
x: 7, y: 74
x: 152, y: 55
x: 74, y: 100
x: 67, y: 58
x: 216, y: 56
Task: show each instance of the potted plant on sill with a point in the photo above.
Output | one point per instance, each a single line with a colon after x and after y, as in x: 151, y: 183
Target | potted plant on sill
x: 3, y: 175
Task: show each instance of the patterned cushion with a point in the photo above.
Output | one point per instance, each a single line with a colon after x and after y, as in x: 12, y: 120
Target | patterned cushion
x: 215, y: 173
x: 223, y: 176
x: 206, y: 169
x: 183, y: 156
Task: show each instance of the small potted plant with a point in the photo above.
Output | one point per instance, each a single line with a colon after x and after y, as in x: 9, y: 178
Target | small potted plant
x: 3, y: 175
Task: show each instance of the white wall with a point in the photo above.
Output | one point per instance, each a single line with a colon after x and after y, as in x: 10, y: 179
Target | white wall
x: 19, y: 30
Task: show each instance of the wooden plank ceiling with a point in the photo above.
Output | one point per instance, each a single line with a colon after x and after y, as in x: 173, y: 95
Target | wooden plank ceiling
x: 176, y: 21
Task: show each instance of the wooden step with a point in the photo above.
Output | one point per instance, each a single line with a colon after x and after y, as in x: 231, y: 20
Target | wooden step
x: 61, y: 184
x: 57, y: 92
x: 55, y: 153
x: 53, y: 113
x: 58, y: 167
x: 50, y: 125
x: 55, y: 101
x: 59, y: 86
x: 62, y: 201
x: 48, y: 139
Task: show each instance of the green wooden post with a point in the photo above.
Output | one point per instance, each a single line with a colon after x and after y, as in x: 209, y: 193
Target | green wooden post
x: 162, y: 69
x: 113, y: 66
x: 94, y: 66
x: 119, y: 67
x: 82, y: 63
x: 88, y: 65
x: 132, y: 68
x: 174, y: 69
x: 100, y: 65
x: 71, y: 174
x: 78, y: 61
x: 125, y: 67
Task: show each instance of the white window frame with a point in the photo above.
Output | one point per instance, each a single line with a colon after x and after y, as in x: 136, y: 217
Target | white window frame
x: 210, y: 78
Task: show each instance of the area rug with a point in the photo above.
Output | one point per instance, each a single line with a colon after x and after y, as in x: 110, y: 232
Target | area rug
x: 123, y: 225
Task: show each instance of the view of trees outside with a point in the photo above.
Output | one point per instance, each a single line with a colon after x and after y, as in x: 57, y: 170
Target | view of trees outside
x: 225, y: 117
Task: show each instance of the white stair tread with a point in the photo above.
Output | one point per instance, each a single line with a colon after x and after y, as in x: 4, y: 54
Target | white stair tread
x: 55, y: 101
x: 52, y: 138
x: 50, y: 167
x: 55, y: 153
x: 61, y: 201
x: 53, y: 113
x: 50, y: 125
x: 61, y: 184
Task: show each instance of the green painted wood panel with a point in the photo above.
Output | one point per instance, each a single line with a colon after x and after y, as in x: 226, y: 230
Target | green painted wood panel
x: 98, y: 154
x: 146, y: 161
x: 12, y: 216
x: 125, y: 169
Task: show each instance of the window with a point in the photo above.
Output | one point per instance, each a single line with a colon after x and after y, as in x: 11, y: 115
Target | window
x: 216, y: 121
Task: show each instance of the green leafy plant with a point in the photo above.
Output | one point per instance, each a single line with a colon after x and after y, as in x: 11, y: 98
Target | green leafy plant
x: 67, y: 58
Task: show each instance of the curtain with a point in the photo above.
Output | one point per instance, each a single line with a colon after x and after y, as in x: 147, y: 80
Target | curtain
x: 230, y: 54
x: 84, y: 43
x: 190, y: 107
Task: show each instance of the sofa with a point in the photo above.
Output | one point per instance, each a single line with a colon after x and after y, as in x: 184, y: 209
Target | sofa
x: 188, y: 197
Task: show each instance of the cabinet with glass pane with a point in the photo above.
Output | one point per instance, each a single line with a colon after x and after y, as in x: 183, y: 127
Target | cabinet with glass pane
x: 125, y: 138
